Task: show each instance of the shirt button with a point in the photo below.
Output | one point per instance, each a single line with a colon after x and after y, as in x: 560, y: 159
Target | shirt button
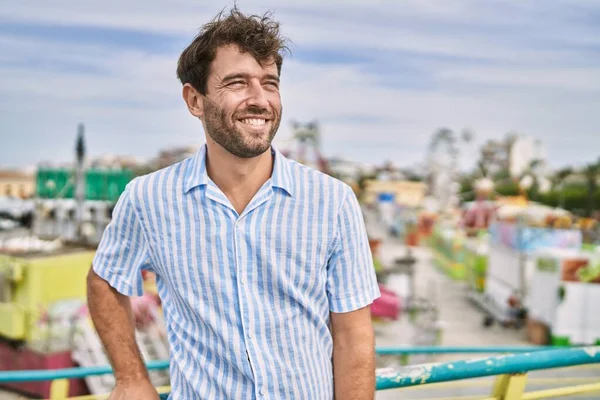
x: 243, y: 281
x: 249, y: 336
x: 262, y: 391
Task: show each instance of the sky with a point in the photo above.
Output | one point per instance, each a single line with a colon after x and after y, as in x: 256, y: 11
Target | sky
x: 379, y: 76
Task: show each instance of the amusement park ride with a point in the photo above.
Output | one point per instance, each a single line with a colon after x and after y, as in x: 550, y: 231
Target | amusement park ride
x: 305, y: 137
x: 443, y: 167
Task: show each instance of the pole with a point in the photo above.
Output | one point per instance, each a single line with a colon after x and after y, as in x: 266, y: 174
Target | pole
x: 80, y: 180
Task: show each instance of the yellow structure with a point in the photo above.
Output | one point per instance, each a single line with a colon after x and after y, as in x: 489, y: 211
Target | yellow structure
x: 520, y: 201
x: 406, y: 193
x: 33, y: 288
x: 17, y: 184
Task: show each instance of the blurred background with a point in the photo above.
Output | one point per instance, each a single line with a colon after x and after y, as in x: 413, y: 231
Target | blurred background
x: 468, y: 130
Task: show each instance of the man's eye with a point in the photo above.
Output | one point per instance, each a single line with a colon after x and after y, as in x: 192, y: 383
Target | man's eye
x: 236, y: 83
x: 274, y: 85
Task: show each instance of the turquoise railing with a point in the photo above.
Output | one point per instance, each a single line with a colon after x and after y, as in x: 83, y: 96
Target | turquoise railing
x: 461, y: 350
x: 71, y: 373
x: 518, y: 363
x: 510, y: 366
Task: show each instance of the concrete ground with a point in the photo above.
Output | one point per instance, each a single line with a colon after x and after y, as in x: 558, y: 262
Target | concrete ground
x: 11, y: 396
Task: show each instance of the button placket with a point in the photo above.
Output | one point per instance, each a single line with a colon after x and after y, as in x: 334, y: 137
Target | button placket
x: 244, y: 308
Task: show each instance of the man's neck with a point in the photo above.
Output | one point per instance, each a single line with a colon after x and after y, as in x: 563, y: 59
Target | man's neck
x: 238, y: 178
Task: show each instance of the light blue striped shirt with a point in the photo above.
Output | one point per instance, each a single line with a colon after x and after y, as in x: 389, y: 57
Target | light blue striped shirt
x: 247, y: 297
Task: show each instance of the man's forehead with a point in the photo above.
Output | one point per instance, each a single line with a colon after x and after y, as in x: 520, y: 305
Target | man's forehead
x: 229, y: 60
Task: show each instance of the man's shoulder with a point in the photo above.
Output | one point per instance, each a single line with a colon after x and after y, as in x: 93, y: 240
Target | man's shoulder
x: 317, y: 180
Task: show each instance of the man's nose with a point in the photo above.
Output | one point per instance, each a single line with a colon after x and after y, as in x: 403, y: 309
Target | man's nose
x: 258, y: 97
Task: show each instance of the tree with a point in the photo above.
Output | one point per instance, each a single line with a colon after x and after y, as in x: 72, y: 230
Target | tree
x: 483, y: 168
x: 558, y: 182
x: 591, y: 173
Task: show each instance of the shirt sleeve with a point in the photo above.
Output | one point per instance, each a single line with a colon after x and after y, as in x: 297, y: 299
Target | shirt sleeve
x: 123, y: 250
x: 351, y: 279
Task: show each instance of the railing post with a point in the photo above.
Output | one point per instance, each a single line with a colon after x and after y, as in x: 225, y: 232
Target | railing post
x: 404, y: 360
x: 509, y: 387
x: 59, y: 389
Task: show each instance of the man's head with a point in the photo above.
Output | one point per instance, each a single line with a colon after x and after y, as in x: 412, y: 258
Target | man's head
x: 230, y: 74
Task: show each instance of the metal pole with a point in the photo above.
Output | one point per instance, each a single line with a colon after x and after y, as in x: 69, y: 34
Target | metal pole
x: 80, y: 180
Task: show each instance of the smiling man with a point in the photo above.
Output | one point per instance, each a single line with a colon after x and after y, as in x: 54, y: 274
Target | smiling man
x: 263, y: 265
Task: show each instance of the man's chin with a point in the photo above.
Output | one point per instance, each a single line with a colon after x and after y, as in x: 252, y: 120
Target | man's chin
x: 250, y: 151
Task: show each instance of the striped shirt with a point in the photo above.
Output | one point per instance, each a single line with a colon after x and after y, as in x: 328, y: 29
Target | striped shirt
x: 246, y: 298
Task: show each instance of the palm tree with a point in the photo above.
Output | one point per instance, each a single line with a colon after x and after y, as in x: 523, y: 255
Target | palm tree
x: 484, y: 169
x: 531, y: 174
x: 560, y: 179
x: 591, y: 173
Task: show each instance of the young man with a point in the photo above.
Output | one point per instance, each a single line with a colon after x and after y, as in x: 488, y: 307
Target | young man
x: 263, y: 265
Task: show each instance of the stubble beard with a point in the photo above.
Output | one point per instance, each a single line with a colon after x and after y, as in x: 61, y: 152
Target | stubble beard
x: 238, y: 143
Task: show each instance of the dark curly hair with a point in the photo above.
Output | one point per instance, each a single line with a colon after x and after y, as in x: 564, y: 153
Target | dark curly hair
x: 257, y: 35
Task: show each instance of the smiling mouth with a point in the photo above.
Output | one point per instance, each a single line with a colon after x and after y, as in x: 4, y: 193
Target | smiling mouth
x: 258, y: 122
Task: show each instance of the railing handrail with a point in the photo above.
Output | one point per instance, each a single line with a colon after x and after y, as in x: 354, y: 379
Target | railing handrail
x: 463, y: 349
x: 487, y: 366
x: 520, y: 359
x: 80, y: 372
x: 67, y: 373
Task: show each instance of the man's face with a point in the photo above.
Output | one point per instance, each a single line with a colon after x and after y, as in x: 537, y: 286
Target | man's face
x: 242, y: 106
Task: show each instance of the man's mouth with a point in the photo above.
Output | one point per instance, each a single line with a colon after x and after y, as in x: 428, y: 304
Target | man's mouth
x: 254, y: 121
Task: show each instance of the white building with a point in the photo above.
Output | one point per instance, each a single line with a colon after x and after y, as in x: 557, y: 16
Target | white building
x: 523, y: 152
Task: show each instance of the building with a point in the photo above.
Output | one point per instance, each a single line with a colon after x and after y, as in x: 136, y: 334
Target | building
x: 524, y: 151
x: 14, y: 183
x: 404, y: 193
x: 174, y: 155
x: 348, y: 170
x: 515, y: 154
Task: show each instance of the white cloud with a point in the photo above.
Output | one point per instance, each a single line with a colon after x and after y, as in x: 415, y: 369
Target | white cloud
x: 488, y: 67
x: 551, y: 77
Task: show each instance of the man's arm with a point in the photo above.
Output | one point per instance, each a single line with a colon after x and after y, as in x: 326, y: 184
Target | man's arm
x: 113, y: 319
x: 115, y: 276
x: 351, y: 287
x: 353, y: 355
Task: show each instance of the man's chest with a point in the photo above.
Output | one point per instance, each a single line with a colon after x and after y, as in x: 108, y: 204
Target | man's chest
x: 211, y: 254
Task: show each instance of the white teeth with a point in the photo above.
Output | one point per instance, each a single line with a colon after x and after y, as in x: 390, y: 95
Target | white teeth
x: 254, y: 121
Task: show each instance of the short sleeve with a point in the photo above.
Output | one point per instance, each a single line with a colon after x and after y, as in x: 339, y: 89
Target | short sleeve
x: 123, y: 251
x: 351, y: 280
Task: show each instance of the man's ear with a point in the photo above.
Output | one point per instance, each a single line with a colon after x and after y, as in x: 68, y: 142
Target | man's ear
x: 194, y: 100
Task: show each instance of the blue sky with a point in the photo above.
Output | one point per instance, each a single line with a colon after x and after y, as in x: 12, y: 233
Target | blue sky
x: 380, y: 76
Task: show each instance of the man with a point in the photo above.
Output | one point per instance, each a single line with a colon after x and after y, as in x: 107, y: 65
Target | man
x: 262, y: 265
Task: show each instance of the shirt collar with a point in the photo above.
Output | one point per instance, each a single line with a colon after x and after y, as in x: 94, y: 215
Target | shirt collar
x: 197, y: 175
x: 282, y: 172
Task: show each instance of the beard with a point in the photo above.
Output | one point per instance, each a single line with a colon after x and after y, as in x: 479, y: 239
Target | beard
x: 223, y: 130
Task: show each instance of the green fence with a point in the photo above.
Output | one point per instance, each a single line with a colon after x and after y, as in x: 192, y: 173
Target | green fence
x: 100, y: 184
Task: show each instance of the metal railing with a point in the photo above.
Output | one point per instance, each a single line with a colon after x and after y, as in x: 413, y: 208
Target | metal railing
x: 510, y: 367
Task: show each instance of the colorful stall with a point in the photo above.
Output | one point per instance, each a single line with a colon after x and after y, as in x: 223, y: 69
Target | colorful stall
x: 476, y: 261
x: 448, y: 250
x: 44, y: 323
x: 511, y: 265
x: 41, y: 294
x: 563, y: 298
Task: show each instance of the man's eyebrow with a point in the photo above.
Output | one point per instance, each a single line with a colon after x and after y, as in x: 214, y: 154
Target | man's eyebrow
x: 241, y: 75
x: 236, y: 75
x: 272, y: 77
